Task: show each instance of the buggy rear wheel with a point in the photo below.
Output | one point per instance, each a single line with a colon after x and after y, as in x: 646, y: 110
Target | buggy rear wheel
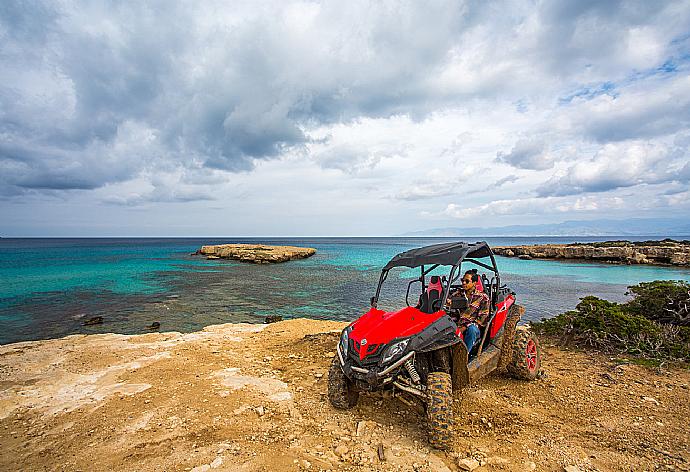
x: 526, y: 359
x: 341, y: 391
x: 439, y: 410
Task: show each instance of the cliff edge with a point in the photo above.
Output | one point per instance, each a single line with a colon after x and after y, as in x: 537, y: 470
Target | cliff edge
x: 239, y: 397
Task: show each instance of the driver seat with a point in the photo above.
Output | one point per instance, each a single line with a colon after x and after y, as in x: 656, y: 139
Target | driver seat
x: 433, y: 293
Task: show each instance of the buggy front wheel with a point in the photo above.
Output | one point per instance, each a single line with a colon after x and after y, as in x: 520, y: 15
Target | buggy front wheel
x: 341, y: 391
x: 439, y: 410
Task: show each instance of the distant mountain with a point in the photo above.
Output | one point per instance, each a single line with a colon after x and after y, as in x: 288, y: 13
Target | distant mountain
x: 661, y: 227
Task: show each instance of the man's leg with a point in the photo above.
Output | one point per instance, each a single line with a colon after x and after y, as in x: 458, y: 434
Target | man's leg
x: 471, y: 335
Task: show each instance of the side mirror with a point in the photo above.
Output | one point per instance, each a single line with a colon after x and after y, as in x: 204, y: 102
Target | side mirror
x: 372, y: 302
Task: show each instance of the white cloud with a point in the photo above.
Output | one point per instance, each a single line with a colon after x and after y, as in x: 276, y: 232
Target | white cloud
x: 620, y: 165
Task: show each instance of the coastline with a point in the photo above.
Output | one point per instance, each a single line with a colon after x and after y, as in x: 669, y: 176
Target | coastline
x: 252, y: 397
x: 661, y: 253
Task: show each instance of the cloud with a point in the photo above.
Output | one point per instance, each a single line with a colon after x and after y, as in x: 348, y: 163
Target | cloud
x: 527, y: 154
x: 659, y: 107
x: 505, y: 180
x: 150, y: 102
x: 348, y: 158
x: 620, y: 165
x: 532, y: 206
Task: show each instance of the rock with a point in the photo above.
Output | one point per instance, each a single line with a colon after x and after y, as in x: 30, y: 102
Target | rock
x: 468, y: 463
x: 666, y: 252
x: 273, y: 319
x: 436, y: 464
x: 201, y: 468
x: 155, y: 325
x: 529, y: 466
x: 525, y: 257
x: 572, y: 468
x: 651, y: 400
x: 260, y: 410
x: 496, y: 460
x: 341, y: 450
x: 96, y: 320
x: 256, y: 253
x: 217, y: 462
x: 361, y: 428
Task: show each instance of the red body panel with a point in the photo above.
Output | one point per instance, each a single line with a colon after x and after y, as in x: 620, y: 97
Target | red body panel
x: 379, y: 327
x: 501, y: 313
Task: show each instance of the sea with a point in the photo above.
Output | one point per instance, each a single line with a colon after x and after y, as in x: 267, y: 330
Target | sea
x: 50, y: 287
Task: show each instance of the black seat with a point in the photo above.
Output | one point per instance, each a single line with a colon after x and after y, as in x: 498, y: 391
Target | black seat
x: 432, y: 294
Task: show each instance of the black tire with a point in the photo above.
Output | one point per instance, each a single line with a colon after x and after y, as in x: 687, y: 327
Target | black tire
x: 526, y: 359
x: 439, y: 410
x: 341, y: 392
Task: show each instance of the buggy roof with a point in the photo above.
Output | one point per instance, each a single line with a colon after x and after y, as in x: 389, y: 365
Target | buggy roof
x: 442, y: 254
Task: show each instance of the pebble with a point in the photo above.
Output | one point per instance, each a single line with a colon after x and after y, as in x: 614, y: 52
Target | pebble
x: 341, y: 450
x: 529, y: 466
x: 217, y: 462
x: 496, y: 460
x: 572, y: 468
x: 651, y: 400
x: 468, y: 464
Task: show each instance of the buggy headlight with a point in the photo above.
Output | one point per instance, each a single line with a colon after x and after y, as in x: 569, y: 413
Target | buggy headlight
x: 395, y: 350
x: 345, y: 340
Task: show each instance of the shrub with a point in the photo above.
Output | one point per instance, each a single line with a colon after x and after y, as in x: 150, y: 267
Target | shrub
x: 653, y: 324
x: 665, y: 301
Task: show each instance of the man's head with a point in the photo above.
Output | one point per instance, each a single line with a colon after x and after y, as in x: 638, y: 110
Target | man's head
x: 469, y: 280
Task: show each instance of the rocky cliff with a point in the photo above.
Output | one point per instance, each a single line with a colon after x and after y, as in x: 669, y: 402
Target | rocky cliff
x: 620, y: 252
x: 256, y: 253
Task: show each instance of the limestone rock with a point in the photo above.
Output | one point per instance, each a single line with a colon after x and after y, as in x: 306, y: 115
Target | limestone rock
x: 666, y: 252
x: 256, y: 253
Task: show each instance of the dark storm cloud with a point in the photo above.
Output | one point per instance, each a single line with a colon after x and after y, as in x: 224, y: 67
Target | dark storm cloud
x: 224, y: 93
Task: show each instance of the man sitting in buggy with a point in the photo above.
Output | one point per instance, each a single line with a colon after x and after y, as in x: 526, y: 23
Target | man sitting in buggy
x: 475, y: 308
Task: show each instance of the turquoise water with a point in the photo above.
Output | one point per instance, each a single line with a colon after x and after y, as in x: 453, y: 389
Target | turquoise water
x: 49, y: 286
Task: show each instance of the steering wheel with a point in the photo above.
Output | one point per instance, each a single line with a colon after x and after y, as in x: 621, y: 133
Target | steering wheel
x: 436, y: 305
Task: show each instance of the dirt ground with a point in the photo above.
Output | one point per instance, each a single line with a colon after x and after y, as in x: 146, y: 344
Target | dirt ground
x: 253, y: 398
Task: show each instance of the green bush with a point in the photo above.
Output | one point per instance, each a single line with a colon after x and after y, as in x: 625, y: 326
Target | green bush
x: 665, y: 301
x: 641, y: 326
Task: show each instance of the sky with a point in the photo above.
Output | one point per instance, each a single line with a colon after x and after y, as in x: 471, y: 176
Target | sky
x: 263, y: 118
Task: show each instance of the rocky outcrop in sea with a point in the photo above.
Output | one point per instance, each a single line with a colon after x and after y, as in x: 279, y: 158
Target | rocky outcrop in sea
x: 256, y: 253
x: 666, y: 252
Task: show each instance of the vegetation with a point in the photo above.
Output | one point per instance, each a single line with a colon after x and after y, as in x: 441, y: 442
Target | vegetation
x: 654, y: 324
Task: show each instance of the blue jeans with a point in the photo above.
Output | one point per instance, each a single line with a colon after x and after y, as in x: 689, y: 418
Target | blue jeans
x: 471, y: 335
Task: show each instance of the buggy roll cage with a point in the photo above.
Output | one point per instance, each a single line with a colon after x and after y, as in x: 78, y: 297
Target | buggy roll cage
x: 445, y: 254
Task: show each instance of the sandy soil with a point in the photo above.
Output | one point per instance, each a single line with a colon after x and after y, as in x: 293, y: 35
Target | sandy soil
x: 253, y: 397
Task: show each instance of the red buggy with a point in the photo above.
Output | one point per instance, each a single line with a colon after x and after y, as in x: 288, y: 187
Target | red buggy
x: 418, y: 351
